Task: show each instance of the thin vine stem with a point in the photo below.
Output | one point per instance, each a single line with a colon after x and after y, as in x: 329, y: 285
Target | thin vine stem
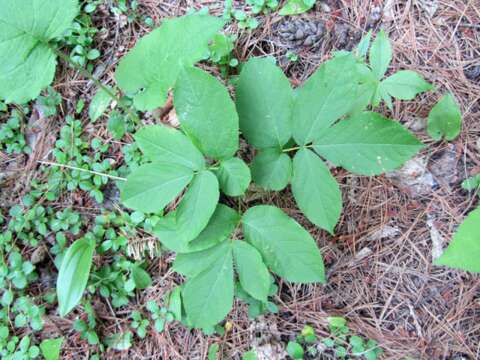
x: 297, y: 148
x: 83, y: 170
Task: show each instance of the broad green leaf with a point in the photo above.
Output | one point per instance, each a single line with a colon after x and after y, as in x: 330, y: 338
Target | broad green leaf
x: 193, y: 213
x: 141, y: 278
x: 464, y: 250
x: 380, y: 55
x: 264, y: 104
x: 151, y: 68
x: 207, y: 114
x: 315, y: 190
x: 445, y: 119
x: 99, y: 104
x: 51, y: 348
x: 364, y: 44
x: 271, y: 169
x: 208, y: 297
x: 27, y: 63
x: 151, y: 187
x: 295, y: 7
x: 252, y: 272
x: 325, y: 97
x: 367, y: 144
x: 286, y: 247
x: 405, y: 85
x: 234, y: 177
x: 164, y: 144
x: 73, y: 275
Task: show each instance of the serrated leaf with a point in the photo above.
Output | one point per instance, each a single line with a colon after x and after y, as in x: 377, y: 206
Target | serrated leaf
x: 367, y: 144
x: 380, y: 55
x: 445, y: 119
x: 164, y: 144
x: 27, y: 63
x: 286, y: 247
x: 264, y: 103
x: 151, y: 68
x: 141, y: 278
x: 207, y: 114
x: 51, y: 348
x: 192, y: 214
x: 405, y: 85
x: 315, y: 190
x: 295, y: 7
x: 325, y: 97
x: 271, y: 169
x: 73, y: 275
x: 99, y: 104
x: 464, y: 250
x: 151, y: 187
x: 208, y: 297
x: 234, y: 177
x: 252, y: 272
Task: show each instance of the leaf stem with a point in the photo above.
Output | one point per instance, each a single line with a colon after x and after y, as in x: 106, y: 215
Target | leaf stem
x: 80, y: 169
x: 298, y: 148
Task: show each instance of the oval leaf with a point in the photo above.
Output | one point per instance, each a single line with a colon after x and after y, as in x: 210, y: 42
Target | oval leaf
x: 405, y: 85
x: 380, y: 55
x: 141, y: 278
x: 99, y: 104
x: 445, y: 119
x: 234, y: 177
x: 272, y: 169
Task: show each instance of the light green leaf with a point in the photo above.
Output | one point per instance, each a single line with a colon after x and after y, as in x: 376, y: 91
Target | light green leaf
x: 295, y: 350
x: 151, y: 68
x: 264, y: 103
x: 271, y: 169
x: 445, y: 119
x: 208, y: 297
x: 141, y: 278
x: 193, y: 213
x: 315, y: 190
x: 405, y: 85
x: 252, y: 272
x: 250, y: 355
x: 325, y: 97
x: 295, y: 7
x: 207, y: 114
x: 73, y: 275
x: 27, y: 63
x: 286, y: 247
x: 164, y: 144
x: 151, y: 187
x: 234, y: 177
x: 363, y: 45
x: 472, y: 183
x: 175, y: 303
x: 464, y: 250
x: 51, y: 348
x: 367, y: 144
x: 213, y: 352
x: 380, y: 55
x: 99, y: 104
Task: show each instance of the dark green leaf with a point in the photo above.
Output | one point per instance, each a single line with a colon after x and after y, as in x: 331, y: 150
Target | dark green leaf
x: 271, y: 169
x: 405, y: 85
x: 141, y: 278
x: 445, y: 119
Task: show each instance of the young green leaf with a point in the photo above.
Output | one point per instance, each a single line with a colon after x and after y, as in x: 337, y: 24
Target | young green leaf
x: 380, y: 55
x: 164, y: 144
x: 27, y: 63
x: 464, y: 250
x: 264, y: 104
x: 151, y: 187
x: 207, y: 114
x: 99, y: 104
x: 445, y: 119
x: 252, y: 272
x: 175, y: 303
x: 234, y: 177
x: 73, y: 275
x: 286, y: 247
x: 141, y: 278
x: 405, y: 85
x: 315, y: 190
x: 271, y: 169
x: 295, y: 7
x: 367, y: 144
x: 295, y: 350
x: 51, y: 348
x: 363, y: 45
x: 213, y: 352
x: 151, y: 68
x: 472, y: 183
x: 250, y: 355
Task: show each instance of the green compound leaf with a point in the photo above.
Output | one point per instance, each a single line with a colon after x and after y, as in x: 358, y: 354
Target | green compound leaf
x: 405, y: 85
x: 164, y: 144
x: 445, y: 119
x: 464, y: 250
x: 286, y: 247
x: 252, y: 272
x: 234, y: 177
x: 315, y: 190
x: 272, y: 169
x: 193, y: 213
x: 380, y: 55
x: 367, y: 144
x: 151, y: 68
x: 208, y: 297
x: 73, y: 275
x: 151, y: 187
x: 99, y: 104
x: 27, y: 63
x: 295, y: 7
x: 207, y: 114
x: 264, y: 104
x: 325, y: 97
x: 51, y: 348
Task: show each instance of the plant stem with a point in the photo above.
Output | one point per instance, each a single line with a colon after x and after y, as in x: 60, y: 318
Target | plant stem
x: 80, y: 169
x: 298, y: 148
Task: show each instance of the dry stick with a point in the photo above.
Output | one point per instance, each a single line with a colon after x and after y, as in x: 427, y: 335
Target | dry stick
x: 80, y: 169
